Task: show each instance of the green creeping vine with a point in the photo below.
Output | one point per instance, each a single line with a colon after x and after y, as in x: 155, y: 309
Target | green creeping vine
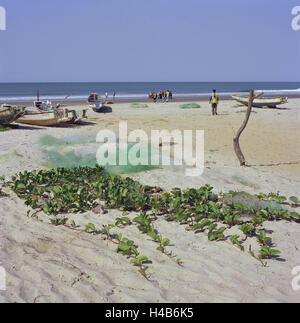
x: 75, y: 190
x: 129, y: 249
x: 235, y: 241
x: 2, y: 194
x: 125, y: 246
x: 2, y: 179
x: 293, y: 200
x: 145, y: 225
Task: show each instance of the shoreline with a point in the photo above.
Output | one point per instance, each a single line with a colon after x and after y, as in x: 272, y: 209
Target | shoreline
x: 71, y: 102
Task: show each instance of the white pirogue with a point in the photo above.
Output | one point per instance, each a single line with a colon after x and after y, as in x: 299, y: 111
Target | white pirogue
x: 52, y: 118
x: 261, y: 101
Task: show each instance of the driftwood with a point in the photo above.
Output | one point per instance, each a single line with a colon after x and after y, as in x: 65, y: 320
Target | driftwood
x: 236, y: 139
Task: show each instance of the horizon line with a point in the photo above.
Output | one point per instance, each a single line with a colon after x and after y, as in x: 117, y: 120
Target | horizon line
x: 45, y: 82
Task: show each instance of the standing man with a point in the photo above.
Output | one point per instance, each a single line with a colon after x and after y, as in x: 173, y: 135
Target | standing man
x: 214, y: 99
x: 106, y: 95
x: 114, y: 95
x: 167, y: 95
x: 154, y: 97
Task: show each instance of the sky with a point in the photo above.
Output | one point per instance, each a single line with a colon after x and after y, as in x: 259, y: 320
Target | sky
x: 149, y: 40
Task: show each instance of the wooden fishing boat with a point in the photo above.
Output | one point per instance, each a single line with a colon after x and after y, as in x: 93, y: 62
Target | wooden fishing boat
x: 96, y: 102
x: 47, y: 106
x: 9, y: 114
x: 260, y: 102
x: 53, y: 118
x: 43, y: 106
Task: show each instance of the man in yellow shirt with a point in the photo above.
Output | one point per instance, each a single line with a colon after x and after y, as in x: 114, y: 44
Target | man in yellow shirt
x: 168, y: 95
x: 214, y: 99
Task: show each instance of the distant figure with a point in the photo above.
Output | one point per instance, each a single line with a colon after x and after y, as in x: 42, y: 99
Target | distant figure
x: 106, y: 95
x: 167, y: 95
x: 214, y: 99
x: 171, y: 95
x: 154, y: 97
x: 114, y: 95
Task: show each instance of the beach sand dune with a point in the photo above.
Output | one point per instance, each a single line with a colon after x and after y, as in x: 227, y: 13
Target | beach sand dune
x: 57, y: 264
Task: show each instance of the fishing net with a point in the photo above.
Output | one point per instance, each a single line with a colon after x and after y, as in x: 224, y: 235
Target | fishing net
x: 190, y: 106
x: 249, y: 200
x: 81, y: 151
x: 138, y: 105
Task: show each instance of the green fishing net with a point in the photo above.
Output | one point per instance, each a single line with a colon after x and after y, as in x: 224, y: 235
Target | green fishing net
x: 81, y: 151
x: 190, y: 106
x: 138, y: 105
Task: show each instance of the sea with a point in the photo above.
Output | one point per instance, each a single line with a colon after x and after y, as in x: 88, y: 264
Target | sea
x: 26, y: 92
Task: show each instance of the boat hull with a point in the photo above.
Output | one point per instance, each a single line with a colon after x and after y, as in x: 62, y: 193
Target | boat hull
x: 9, y: 114
x: 97, y: 107
x: 96, y: 102
x: 261, y: 102
x: 53, y: 118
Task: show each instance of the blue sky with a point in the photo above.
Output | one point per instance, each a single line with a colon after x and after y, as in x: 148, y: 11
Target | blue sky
x: 149, y: 40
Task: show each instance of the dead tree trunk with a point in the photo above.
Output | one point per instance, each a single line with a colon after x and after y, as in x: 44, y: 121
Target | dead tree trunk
x: 236, y: 139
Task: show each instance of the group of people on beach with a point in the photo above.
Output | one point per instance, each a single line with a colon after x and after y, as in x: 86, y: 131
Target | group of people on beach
x: 166, y: 96
x: 163, y: 96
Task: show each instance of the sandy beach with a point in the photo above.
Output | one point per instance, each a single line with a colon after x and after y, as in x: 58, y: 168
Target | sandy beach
x: 57, y: 264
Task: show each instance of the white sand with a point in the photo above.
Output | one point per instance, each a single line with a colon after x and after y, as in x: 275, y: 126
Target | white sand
x: 57, y: 264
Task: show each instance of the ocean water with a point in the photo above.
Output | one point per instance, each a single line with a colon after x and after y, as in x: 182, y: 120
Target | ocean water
x: 26, y: 92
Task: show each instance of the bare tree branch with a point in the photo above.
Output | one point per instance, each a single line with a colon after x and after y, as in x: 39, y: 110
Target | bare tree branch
x: 236, y: 139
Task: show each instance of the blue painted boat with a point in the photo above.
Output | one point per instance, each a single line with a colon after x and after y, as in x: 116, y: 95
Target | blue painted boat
x: 96, y: 102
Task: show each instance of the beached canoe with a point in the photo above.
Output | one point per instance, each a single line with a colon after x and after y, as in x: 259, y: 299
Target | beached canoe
x: 52, y: 118
x: 261, y: 101
x: 9, y: 114
x: 43, y: 106
x: 97, y: 106
x: 96, y: 102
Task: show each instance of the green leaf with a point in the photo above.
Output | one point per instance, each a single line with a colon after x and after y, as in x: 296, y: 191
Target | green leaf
x: 165, y: 242
x: 161, y: 249
x: 295, y: 199
x: 124, y: 248
x: 295, y: 215
x: 64, y: 221
x: 90, y: 228
x: 153, y: 235
x: 135, y: 251
x: 143, y: 258
x: 123, y: 220
x: 135, y: 261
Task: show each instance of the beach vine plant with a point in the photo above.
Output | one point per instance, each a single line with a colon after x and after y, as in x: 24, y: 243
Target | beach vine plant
x: 2, y: 194
x: 77, y: 190
x: 2, y: 179
x: 125, y: 246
